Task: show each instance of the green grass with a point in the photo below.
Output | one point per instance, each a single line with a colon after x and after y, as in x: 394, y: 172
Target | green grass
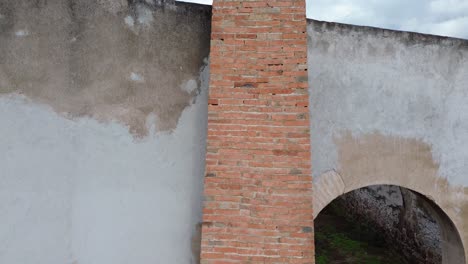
x: 321, y: 260
x: 340, y: 240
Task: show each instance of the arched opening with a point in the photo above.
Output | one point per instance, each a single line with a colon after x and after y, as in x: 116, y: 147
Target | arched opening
x: 386, y: 224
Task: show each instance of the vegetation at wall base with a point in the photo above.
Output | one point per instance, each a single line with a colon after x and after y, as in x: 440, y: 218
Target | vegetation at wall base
x: 339, y: 240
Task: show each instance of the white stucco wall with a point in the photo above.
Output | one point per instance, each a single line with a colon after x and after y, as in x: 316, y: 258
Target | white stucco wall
x: 401, y: 84
x: 83, y: 191
x: 390, y: 107
x: 102, y: 131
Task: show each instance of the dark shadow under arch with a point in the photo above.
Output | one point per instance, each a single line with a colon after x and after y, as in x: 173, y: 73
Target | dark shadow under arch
x: 406, y: 217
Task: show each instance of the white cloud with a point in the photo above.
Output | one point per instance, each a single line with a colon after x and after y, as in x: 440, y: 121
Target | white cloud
x: 455, y: 7
x: 457, y: 27
x: 440, y: 17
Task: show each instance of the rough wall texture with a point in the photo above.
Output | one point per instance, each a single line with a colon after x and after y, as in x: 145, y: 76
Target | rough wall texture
x: 108, y: 60
x: 391, y: 108
x: 258, y: 200
x: 85, y: 177
x: 103, y: 111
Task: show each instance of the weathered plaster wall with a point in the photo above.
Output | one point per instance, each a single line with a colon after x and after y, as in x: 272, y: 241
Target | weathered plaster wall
x: 109, y: 60
x: 389, y: 108
x: 103, y: 110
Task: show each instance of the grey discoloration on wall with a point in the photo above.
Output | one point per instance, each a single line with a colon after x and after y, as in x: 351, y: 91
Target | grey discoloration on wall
x: 391, y: 107
x: 109, y: 60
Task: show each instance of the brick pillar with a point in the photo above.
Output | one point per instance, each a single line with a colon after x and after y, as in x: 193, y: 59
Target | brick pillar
x: 258, y: 198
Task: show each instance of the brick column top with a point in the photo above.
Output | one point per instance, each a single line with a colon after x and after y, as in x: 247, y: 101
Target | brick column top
x: 258, y: 198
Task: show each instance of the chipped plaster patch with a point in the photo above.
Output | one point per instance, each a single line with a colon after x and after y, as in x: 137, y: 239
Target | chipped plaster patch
x: 190, y: 86
x: 22, y: 33
x: 145, y: 16
x: 136, y: 77
x: 129, y: 21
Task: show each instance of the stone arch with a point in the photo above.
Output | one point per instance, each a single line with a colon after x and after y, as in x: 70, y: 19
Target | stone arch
x: 452, y: 245
x: 381, y: 160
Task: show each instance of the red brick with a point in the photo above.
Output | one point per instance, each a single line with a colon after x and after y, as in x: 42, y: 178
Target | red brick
x: 258, y: 197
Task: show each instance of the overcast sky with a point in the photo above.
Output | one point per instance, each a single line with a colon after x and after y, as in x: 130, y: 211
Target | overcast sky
x: 439, y: 17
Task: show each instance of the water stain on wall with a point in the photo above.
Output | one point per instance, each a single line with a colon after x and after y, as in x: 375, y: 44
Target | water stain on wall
x: 109, y: 60
x: 373, y: 159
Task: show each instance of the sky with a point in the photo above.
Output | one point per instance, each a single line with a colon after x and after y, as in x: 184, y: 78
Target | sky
x: 438, y: 17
